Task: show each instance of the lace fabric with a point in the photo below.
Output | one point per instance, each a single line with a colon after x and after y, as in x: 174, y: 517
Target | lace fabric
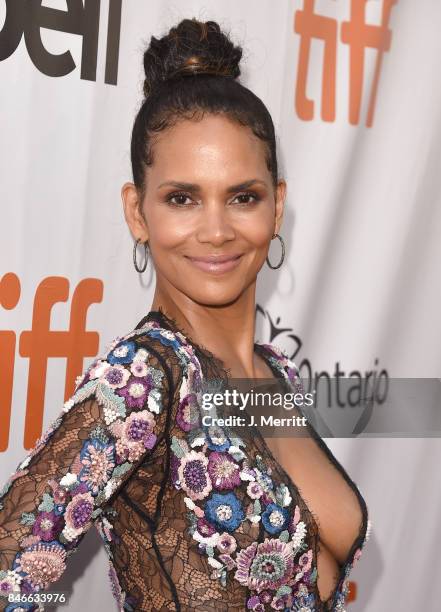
x: 191, y: 517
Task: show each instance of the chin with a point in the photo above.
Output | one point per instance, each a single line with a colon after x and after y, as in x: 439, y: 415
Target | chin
x: 215, y: 298
x: 210, y: 289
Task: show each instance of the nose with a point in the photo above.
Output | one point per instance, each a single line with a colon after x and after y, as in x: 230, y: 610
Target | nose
x: 215, y: 225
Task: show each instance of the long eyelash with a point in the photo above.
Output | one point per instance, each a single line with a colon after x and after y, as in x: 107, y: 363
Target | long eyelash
x: 183, y: 193
x: 249, y: 193
x: 174, y: 195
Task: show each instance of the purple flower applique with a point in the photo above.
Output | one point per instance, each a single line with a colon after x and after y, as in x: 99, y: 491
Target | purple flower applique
x: 135, y: 391
x: 139, y: 368
x: 79, y: 487
x: 305, y: 560
x: 267, y: 565
x: 134, y: 435
x: 254, y: 490
x: 193, y: 475
x: 9, y: 582
x: 255, y: 604
x: 188, y: 415
x: 115, y: 376
x: 226, y: 543
x: 58, y: 493
x: 78, y: 515
x: 205, y: 528
x: 224, y: 470
x: 47, y: 525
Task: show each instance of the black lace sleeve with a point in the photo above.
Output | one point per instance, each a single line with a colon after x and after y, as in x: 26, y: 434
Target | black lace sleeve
x: 117, y: 416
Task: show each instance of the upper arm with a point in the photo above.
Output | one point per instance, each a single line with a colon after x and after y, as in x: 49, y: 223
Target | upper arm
x: 116, y: 416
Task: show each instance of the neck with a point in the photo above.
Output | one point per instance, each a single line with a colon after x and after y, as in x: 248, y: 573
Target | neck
x: 225, y: 330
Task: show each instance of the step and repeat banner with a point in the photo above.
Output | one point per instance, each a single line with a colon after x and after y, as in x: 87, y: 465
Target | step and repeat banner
x: 354, y: 92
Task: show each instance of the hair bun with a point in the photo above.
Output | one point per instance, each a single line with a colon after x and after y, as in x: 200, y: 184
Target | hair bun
x: 190, y: 47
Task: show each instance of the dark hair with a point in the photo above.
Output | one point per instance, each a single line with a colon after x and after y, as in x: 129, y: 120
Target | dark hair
x: 190, y: 71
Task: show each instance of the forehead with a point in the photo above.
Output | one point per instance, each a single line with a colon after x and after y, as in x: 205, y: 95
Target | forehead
x: 213, y: 145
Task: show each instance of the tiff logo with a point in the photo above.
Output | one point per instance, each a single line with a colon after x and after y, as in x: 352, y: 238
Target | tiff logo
x: 28, y: 17
x: 356, y: 33
x: 40, y: 343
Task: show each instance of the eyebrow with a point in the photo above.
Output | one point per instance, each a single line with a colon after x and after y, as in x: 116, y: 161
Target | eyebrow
x: 197, y: 188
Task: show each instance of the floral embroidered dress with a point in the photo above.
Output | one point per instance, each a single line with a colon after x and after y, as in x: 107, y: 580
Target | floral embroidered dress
x: 192, y: 517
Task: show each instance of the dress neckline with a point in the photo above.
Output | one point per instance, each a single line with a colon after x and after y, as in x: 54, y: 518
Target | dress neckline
x: 276, y: 366
x: 171, y: 324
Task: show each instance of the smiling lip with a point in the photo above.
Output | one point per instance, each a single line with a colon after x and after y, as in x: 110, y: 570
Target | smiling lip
x: 216, y: 263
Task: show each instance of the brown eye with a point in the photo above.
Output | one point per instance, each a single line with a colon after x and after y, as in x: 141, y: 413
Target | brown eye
x: 180, y: 196
x: 247, y: 195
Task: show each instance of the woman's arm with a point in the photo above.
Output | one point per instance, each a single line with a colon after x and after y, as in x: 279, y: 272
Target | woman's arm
x: 116, y: 416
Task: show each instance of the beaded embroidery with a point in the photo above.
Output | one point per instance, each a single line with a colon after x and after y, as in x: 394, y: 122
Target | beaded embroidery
x: 208, y: 464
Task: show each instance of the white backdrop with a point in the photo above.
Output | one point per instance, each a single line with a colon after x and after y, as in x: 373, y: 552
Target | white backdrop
x: 361, y: 283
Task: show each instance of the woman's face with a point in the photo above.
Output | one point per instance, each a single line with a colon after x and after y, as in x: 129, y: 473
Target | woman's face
x: 208, y: 192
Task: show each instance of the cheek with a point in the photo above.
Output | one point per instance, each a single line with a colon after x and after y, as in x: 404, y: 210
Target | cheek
x: 257, y: 227
x: 259, y: 235
x: 168, y: 230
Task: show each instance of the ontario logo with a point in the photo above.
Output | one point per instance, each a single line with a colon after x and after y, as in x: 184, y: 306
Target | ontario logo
x: 344, y: 400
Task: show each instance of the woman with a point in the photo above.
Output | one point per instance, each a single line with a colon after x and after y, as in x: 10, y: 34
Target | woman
x: 192, y: 517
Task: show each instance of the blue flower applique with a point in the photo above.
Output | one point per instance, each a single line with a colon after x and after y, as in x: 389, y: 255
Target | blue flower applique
x: 122, y: 353
x: 216, y: 438
x: 224, y: 510
x: 165, y: 337
x: 275, y: 518
x: 98, y: 462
